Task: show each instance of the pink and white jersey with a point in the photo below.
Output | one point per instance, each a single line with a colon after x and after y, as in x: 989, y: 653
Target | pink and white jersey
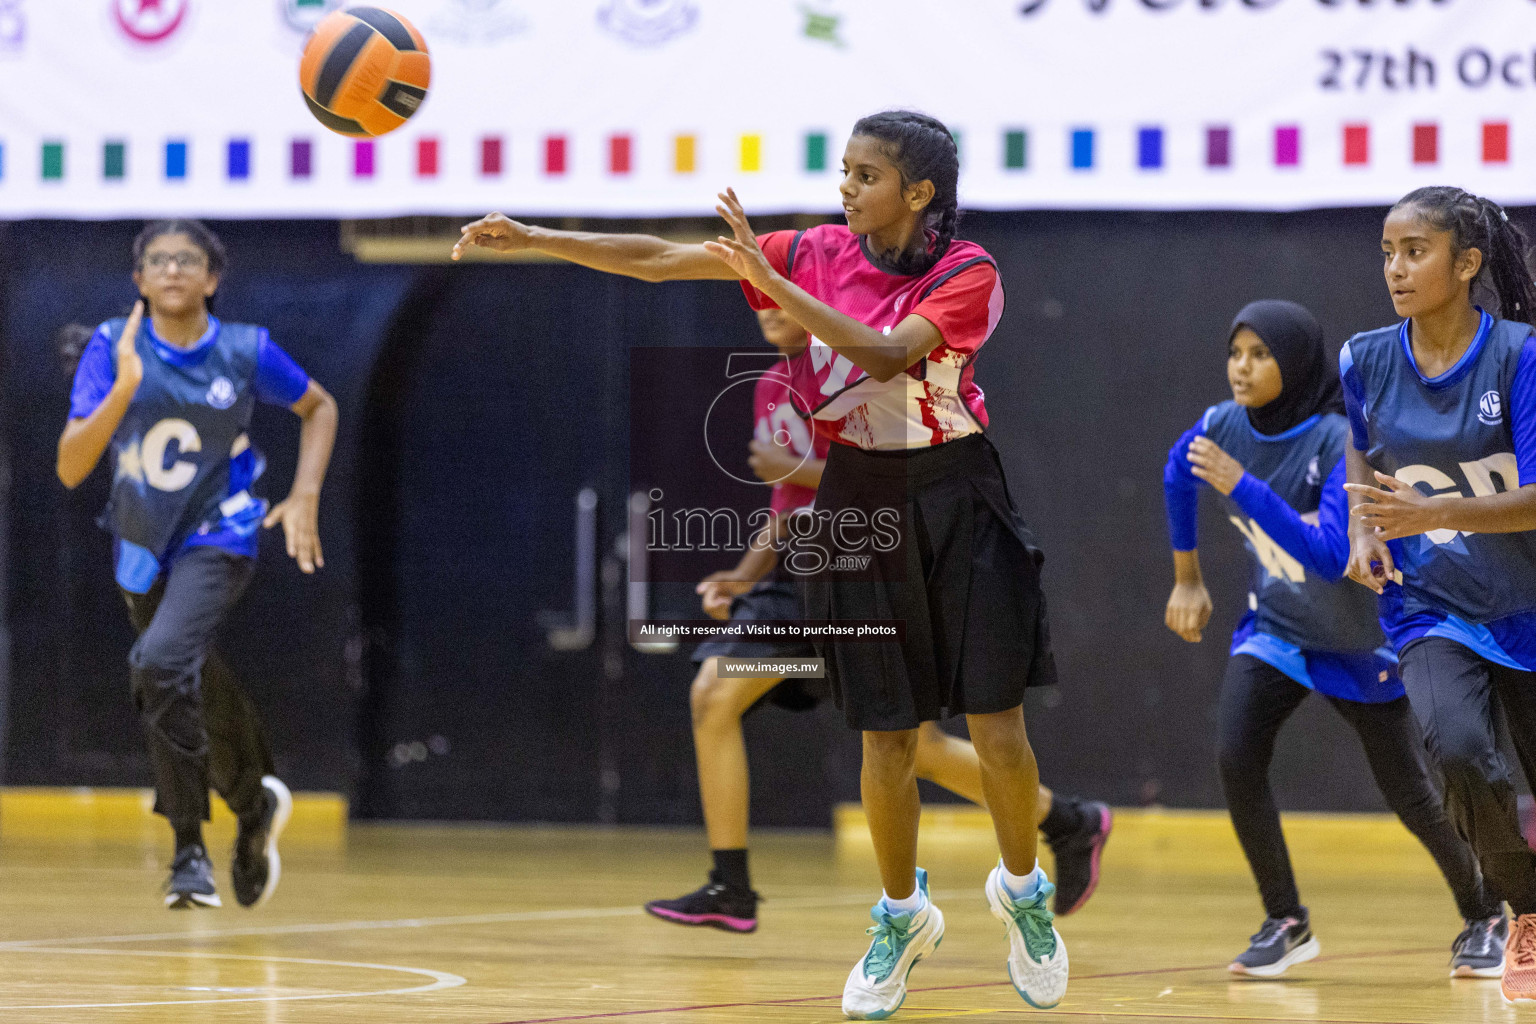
x: 936, y: 399
x: 776, y: 422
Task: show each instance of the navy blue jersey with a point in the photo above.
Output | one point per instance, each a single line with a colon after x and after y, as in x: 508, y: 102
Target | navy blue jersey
x: 182, y: 460
x: 1300, y: 607
x: 1469, y: 432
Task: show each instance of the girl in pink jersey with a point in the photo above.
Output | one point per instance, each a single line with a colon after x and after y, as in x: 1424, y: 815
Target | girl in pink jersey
x: 913, y: 522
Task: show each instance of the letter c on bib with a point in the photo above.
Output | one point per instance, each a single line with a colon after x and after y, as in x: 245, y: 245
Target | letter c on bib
x: 179, y: 473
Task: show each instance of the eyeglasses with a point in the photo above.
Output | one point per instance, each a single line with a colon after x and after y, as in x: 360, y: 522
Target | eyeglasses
x: 184, y: 260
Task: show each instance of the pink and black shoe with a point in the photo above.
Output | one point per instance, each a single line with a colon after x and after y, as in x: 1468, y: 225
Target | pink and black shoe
x: 1077, y: 857
x: 716, y: 905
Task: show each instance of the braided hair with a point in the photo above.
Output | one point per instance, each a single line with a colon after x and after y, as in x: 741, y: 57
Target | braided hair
x: 1482, y: 224
x: 922, y: 149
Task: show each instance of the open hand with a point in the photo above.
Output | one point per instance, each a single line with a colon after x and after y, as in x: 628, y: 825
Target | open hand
x: 130, y: 368
x: 494, y: 231
x: 1213, y: 465
x: 718, y: 589
x: 1188, y: 611
x: 1396, y: 509
x: 741, y: 253
x: 300, y: 516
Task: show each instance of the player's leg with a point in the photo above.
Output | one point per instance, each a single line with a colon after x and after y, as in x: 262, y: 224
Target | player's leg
x: 1452, y: 692
x: 183, y: 612
x: 241, y: 769
x: 1517, y: 699
x: 1256, y: 699
x: 907, y: 926
x: 1395, y: 750
x: 726, y: 901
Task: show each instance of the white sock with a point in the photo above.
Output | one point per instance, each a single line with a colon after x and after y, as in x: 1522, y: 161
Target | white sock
x: 910, y: 905
x: 1022, y: 887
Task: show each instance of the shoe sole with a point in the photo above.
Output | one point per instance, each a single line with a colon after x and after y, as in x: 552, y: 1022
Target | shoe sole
x: 1301, y: 954
x: 1465, y: 971
x: 275, y: 786
x: 1521, y: 1001
x: 919, y: 958
x: 192, y: 900
x: 1001, y: 913
x: 724, y: 922
x: 1106, y: 825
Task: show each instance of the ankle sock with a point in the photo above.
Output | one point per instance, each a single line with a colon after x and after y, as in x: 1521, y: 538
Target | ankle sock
x: 1022, y: 887
x: 188, y: 833
x: 909, y: 905
x: 731, y: 868
x: 1065, y: 817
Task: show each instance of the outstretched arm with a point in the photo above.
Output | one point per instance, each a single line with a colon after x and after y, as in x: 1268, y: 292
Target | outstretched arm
x: 641, y: 256
x: 882, y: 356
x: 85, y: 438
x: 300, y: 511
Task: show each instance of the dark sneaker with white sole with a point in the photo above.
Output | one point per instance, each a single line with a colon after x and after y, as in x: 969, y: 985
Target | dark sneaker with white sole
x: 191, y: 882
x: 256, y: 866
x: 717, y: 905
x: 1077, y: 858
x: 1478, y: 951
x: 1282, y: 942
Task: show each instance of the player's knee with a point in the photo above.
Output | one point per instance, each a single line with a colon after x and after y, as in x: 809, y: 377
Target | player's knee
x: 711, y: 699
x: 890, y: 753
x: 156, y: 656
x: 999, y: 737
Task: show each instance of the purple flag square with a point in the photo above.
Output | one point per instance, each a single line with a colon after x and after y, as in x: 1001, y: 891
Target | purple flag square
x: 1287, y: 146
x: 362, y: 159
x: 1218, y: 147
x: 301, y: 164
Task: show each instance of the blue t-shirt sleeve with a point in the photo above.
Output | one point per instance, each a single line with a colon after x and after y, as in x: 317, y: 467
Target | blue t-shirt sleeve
x: 279, y: 380
x: 1522, y: 412
x: 93, y: 377
x: 1354, y: 399
x: 1322, y: 549
x: 1181, y: 490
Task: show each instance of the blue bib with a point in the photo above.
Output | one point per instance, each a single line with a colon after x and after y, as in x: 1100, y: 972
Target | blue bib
x: 1296, y: 606
x: 172, y: 451
x: 1448, y: 436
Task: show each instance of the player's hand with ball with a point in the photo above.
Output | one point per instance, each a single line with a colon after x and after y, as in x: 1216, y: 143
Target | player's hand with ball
x: 495, y: 231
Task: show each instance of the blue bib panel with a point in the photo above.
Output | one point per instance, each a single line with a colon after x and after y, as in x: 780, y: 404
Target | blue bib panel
x: 172, y: 451
x: 1297, y: 606
x: 1449, y: 436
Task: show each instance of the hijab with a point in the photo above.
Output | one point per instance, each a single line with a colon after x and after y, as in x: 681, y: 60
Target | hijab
x: 1308, y: 382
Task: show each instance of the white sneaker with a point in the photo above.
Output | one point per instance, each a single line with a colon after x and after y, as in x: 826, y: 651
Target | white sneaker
x: 1037, y: 958
x: 877, y: 986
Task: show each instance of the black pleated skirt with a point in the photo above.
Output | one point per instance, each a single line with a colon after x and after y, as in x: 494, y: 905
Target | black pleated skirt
x: 963, y: 577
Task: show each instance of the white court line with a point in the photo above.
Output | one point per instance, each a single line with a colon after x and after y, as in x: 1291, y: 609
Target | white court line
x: 511, y: 917
x: 440, y: 979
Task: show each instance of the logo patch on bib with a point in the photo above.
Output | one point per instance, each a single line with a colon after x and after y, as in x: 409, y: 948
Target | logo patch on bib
x: 221, y: 393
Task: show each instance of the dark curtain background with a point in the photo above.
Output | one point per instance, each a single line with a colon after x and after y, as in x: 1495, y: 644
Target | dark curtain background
x: 414, y: 672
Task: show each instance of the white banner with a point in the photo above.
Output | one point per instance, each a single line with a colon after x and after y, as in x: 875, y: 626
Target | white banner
x: 127, y: 108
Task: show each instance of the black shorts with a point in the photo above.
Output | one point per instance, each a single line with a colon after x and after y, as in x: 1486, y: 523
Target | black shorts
x: 772, y: 599
x: 964, y: 579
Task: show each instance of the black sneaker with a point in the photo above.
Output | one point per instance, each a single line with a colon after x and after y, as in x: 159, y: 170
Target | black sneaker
x: 191, y: 882
x: 1281, y: 942
x: 256, y: 867
x: 1478, y: 951
x: 718, y: 905
x: 1077, y: 857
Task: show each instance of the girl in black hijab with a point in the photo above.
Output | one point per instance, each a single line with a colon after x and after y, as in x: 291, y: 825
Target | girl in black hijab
x: 1275, y: 452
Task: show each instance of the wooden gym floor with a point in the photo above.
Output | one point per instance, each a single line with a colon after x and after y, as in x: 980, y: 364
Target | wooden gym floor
x: 425, y: 925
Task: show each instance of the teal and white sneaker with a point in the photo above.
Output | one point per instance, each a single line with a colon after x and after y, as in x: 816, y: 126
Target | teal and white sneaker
x: 1037, y: 958
x: 877, y: 985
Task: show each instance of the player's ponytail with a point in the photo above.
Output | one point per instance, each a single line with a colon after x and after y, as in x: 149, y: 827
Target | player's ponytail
x: 922, y: 149
x: 1482, y: 224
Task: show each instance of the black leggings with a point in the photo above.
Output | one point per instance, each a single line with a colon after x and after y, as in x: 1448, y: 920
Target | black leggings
x: 1459, y: 696
x: 200, y: 725
x: 1256, y: 699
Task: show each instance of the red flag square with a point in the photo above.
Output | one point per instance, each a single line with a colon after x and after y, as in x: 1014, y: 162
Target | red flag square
x: 1426, y: 143
x: 1357, y: 144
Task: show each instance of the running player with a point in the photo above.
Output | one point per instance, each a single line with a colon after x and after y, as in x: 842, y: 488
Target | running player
x: 171, y: 393
x: 898, y: 310
x: 1305, y: 630
x: 1442, y: 404
x: 788, y: 455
